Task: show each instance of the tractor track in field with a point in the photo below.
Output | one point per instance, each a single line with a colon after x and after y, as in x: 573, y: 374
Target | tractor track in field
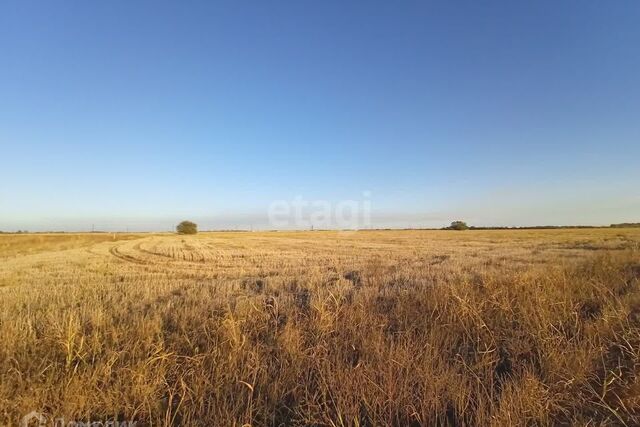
x: 128, y: 258
x: 151, y: 256
x: 139, y: 248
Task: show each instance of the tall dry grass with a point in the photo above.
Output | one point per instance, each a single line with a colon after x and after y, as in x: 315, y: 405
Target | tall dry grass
x: 370, y: 328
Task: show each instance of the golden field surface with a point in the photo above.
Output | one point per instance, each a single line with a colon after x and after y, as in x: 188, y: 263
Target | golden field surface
x: 365, y: 328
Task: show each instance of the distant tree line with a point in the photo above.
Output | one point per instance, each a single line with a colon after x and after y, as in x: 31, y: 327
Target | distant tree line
x: 461, y: 225
x: 535, y: 227
x: 188, y: 227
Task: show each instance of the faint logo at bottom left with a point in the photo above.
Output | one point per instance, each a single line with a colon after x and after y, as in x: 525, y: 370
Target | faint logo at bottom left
x: 38, y: 419
x: 33, y: 419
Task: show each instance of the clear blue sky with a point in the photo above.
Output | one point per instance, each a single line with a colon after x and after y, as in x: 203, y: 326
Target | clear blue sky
x: 138, y: 113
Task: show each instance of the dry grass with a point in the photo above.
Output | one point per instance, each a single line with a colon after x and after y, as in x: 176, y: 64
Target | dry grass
x: 21, y: 244
x: 325, y: 328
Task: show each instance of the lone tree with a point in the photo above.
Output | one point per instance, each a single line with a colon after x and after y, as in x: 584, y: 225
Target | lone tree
x: 459, y: 225
x: 187, y: 227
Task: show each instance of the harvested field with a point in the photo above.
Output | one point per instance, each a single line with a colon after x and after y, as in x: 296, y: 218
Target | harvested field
x: 521, y: 327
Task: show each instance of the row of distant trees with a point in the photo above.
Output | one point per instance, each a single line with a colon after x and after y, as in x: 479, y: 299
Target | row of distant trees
x: 188, y: 227
x: 461, y: 225
x: 626, y: 225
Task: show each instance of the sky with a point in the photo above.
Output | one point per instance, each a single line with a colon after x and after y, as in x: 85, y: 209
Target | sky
x: 132, y: 115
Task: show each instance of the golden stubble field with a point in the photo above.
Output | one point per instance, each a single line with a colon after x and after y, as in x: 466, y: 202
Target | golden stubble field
x: 323, y: 328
